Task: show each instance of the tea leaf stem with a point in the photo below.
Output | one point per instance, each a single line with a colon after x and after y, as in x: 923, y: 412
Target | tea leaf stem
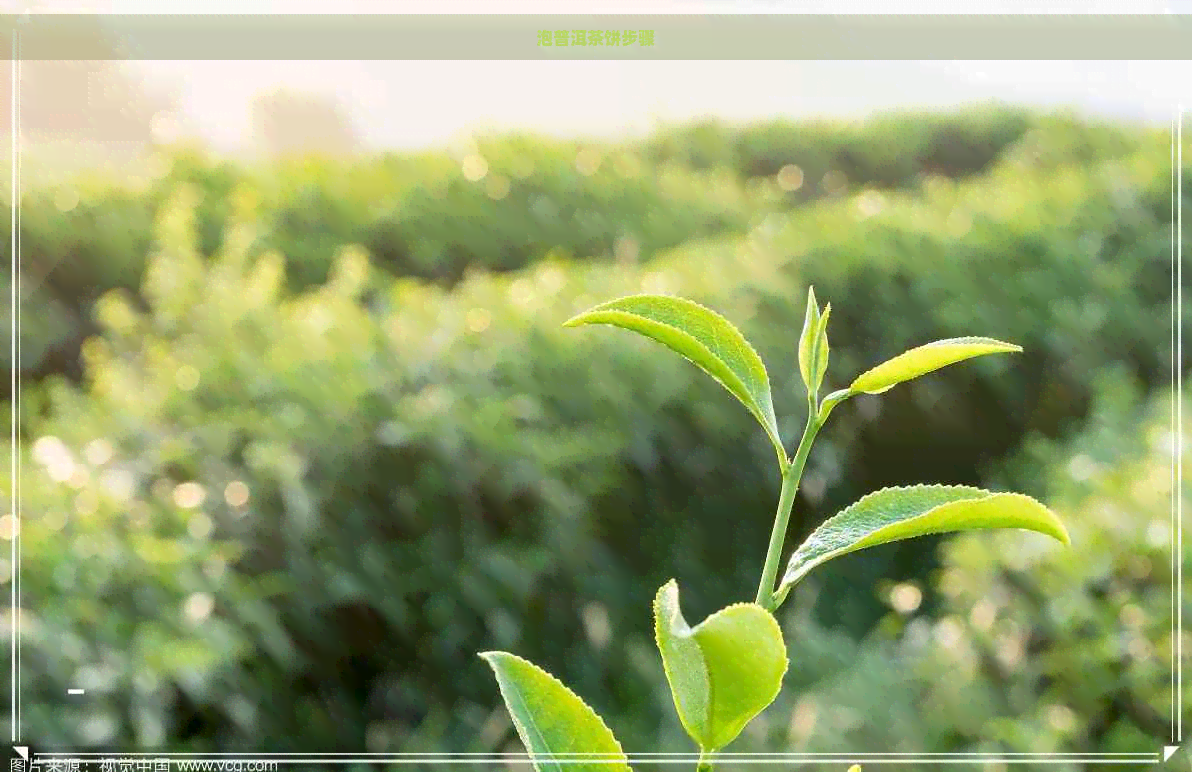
x: 791, y: 476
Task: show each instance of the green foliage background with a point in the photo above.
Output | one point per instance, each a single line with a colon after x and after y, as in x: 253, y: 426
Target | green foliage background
x: 299, y: 438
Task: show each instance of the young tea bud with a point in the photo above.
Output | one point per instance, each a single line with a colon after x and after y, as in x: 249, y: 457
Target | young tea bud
x: 821, y: 348
x: 808, y: 360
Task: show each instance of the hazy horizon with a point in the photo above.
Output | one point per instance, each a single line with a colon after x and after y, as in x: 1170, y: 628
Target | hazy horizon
x: 413, y: 105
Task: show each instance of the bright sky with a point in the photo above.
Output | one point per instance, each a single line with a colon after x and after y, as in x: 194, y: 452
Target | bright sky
x: 407, y: 104
x: 414, y: 103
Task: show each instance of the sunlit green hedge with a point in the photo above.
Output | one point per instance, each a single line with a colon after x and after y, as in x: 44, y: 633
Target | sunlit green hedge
x: 500, y: 203
x: 888, y: 150
x: 420, y: 216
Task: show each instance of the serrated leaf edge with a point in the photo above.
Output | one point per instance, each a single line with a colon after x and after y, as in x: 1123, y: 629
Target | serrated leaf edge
x: 688, y: 632
x: 691, y: 632
x: 787, y: 581
x: 763, y: 413
x: 983, y: 494
x: 777, y: 629
x: 1010, y: 348
x: 486, y: 656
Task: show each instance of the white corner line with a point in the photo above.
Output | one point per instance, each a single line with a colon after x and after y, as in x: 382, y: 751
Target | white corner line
x: 1176, y: 317
x: 1179, y: 435
x: 15, y: 514
x: 1169, y: 751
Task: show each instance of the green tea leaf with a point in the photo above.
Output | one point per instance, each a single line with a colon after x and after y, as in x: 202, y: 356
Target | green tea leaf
x: 723, y: 672
x: 705, y: 338
x: 558, y: 729
x: 924, y: 359
x: 893, y: 514
x: 807, y: 341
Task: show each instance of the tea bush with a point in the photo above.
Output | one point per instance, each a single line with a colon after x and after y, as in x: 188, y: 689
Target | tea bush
x: 891, y: 150
x: 421, y: 215
x: 334, y: 497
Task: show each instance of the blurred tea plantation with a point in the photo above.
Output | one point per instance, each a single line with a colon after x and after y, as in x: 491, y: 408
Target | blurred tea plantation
x: 299, y: 437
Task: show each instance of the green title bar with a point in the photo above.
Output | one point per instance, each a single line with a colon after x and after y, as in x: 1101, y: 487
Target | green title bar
x: 488, y: 37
